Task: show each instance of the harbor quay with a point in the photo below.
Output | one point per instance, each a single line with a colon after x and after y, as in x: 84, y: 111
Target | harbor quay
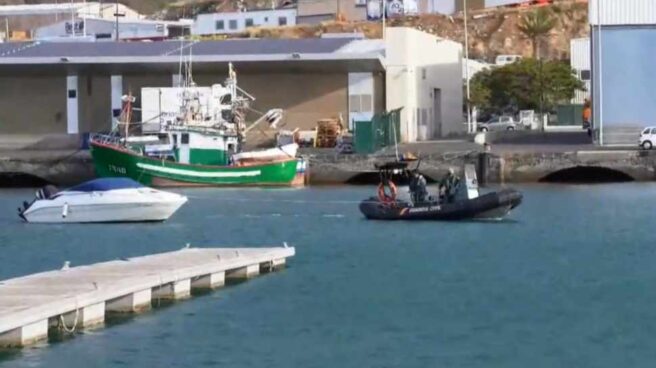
x: 75, y: 298
x: 501, y: 164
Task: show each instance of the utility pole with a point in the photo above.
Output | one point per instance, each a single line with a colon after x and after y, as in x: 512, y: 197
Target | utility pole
x: 117, y: 15
x: 600, y: 103
x: 470, y: 124
x: 384, y: 15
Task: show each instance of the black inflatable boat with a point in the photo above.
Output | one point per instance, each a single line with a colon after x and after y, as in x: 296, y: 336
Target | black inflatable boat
x: 466, y: 203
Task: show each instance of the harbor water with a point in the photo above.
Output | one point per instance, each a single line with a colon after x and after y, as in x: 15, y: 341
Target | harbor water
x: 568, y: 281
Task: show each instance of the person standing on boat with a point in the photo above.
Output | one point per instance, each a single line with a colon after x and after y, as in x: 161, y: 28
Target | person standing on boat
x: 418, y: 188
x: 448, y: 185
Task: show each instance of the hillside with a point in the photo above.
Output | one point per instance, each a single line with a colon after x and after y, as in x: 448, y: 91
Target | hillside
x: 491, y: 32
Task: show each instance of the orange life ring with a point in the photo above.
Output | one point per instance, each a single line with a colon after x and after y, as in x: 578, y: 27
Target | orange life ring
x: 382, y: 193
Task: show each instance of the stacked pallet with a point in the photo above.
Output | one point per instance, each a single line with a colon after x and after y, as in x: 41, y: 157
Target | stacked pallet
x: 328, y: 130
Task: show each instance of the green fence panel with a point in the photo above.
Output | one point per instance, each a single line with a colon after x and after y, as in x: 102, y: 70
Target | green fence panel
x: 383, y: 130
x: 364, y: 137
x: 569, y: 115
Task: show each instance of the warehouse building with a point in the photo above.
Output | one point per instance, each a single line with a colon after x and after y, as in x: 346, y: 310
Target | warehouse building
x: 75, y: 88
x: 623, y: 73
x: 580, y: 63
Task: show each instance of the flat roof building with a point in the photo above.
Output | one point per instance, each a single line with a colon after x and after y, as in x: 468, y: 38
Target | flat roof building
x: 623, y: 72
x: 79, y: 86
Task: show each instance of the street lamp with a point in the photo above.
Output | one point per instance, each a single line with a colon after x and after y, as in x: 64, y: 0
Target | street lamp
x: 470, y: 125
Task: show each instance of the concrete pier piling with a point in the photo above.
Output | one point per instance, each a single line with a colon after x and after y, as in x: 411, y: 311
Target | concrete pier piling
x: 74, y: 298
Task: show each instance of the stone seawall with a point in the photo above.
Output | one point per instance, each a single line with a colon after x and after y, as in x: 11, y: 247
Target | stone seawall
x: 72, y: 167
x: 515, y: 167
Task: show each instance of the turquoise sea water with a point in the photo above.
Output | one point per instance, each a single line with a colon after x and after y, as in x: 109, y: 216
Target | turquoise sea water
x: 569, y: 281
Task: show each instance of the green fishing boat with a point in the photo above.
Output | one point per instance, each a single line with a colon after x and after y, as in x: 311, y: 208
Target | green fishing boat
x: 196, y: 143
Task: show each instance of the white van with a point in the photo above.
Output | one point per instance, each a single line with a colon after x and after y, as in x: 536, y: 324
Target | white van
x: 506, y: 59
x: 647, y: 138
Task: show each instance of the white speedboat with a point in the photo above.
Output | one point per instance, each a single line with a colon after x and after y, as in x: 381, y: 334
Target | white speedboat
x: 101, y: 200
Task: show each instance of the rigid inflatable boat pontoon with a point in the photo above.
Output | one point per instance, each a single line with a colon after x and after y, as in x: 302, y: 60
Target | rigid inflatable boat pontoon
x: 467, y: 203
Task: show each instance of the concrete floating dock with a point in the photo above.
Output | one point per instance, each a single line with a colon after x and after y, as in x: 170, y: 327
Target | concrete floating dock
x: 80, y: 297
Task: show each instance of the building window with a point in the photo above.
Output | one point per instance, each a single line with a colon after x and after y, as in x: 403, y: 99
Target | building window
x: 232, y: 24
x: 585, y: 75
x: 423, y: 73
x: 266, y: 19
x: 185, y: 138
x: 249, y: 22
x: 360, y: 2
x: 282, y: 21
x: 361, y: 103
x: 219, y: 25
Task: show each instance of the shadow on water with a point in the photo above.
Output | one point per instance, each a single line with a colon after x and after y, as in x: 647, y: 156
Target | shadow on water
x: 21, y: 180
x: 587, y: 175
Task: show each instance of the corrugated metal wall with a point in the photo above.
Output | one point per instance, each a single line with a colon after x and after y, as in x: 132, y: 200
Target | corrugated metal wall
x: 622, y: 12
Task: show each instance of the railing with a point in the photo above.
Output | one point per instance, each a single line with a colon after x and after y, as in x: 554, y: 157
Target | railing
x: 104, y: 138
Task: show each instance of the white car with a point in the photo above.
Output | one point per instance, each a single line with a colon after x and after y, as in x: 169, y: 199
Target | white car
x: 647, y: 138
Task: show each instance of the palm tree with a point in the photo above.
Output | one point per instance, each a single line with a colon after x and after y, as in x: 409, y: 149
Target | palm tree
x: 535, y: 25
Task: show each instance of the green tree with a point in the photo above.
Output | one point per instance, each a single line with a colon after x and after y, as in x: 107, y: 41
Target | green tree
x: 528, y: 84
x: 535, y: 25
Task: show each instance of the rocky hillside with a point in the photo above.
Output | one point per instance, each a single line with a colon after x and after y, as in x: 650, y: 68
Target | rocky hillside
x: 491, y: 32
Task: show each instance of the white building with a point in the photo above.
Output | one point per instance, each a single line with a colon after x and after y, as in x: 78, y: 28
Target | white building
x: 65, y: 8
x: 105, y: 29
x: 423, y: 75
x: 224, y: 23
x: 580, y: 62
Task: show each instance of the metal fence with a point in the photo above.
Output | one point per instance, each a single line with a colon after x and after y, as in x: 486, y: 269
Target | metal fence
x: 381, y: 131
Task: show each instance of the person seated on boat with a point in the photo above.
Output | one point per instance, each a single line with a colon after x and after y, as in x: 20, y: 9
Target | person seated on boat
x: 418, y: 192
x: 448, y: 186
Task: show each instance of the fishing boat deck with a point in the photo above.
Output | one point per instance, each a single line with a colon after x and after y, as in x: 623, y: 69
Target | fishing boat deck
x: 79, y: 297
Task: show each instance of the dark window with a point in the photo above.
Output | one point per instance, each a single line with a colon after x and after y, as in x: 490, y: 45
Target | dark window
x: 653, y: 131
x: 232, y: 24
x: 585, y: 75
x: 249, y: 22
x: 219, y: 25
x: 266, y: 19
x: 282, y: 21
x: 185, y: 138
x: 72, y: 93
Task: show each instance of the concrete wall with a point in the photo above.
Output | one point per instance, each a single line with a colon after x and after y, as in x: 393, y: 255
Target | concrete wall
x: 33, y: 104
x: 94, y: 93
x: 37, y: 104
x: 418, y: 64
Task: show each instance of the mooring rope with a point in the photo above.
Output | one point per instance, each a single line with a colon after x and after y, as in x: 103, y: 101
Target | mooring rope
x: 62, y: 322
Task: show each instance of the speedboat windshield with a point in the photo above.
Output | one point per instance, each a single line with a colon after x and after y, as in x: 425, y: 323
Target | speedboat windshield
x: 105, y: 184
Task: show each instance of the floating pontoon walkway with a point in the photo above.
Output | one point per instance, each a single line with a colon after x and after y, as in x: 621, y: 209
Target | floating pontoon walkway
x: 79, y: 297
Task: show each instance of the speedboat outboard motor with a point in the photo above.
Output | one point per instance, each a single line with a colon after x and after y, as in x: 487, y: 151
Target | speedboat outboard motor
x: 46, y: 192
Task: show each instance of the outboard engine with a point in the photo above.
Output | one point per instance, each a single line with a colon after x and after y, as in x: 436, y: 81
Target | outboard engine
x: 46, y: 192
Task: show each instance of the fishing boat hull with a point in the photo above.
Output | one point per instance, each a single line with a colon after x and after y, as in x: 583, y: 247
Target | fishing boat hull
x: 488, y: 206
x: 115, y: 161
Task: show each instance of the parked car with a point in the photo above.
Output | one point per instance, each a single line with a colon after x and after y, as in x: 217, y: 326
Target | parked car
x: 647, y: 138
x: 497, y: 124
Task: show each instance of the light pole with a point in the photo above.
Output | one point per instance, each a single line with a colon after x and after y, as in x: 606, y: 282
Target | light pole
x: 600, y: 103
x: 470, y: 125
